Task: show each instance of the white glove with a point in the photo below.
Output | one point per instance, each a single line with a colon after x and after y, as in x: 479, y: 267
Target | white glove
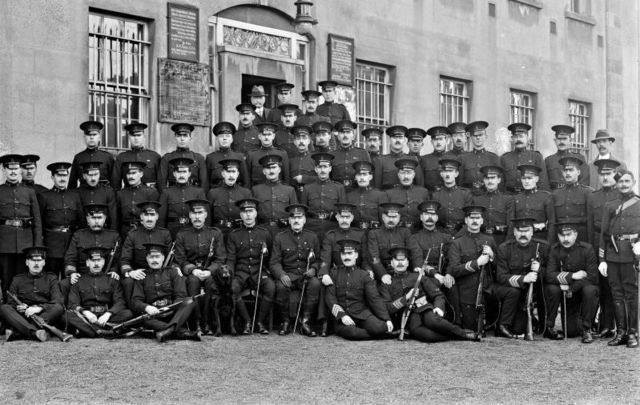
x: 438, y: 312
x: 602, y: 268
x: 346, y: 320
x: 483, y: 259
x: 326, y: 280
x: 386, y: 279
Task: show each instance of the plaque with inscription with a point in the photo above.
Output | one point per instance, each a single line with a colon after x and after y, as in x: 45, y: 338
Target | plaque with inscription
x: 342, y: 60
x: 183, y: 32
x: 183, y: 92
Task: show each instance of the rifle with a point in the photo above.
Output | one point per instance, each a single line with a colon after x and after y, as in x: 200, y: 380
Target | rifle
x: 440, y: 256
x: 426, y: 261
x: 304, y: 286
x: 207, y: 262
x: 480, y: 301
x: 529, y: 304
x: 111, y: 256
x: 138, y: 319
x: 41, y: 323
x: 169, y: 258
x: 410, y: 303
x: 565, y: 292
x: 97, y: 331
x: 255, y: 307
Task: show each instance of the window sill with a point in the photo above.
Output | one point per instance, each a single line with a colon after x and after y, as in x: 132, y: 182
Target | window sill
x: 583, y: 18
x: 532, y: 3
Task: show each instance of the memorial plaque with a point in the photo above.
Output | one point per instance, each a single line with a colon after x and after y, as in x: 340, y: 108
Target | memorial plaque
x: 183, y: 32
x: 183, y: 92
x: 342, y: 60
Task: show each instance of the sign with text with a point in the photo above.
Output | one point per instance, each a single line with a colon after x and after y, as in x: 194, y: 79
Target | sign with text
x: 183, y: 32
x: 342, y: 60
x: 183, y: 89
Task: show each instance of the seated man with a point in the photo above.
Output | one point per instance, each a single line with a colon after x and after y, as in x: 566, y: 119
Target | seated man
x: 426, y: 322
x: 96, y: 298
x: 163, y: 287
x: 354, y: 300
x: 573, y: 271
x: 39, y: 294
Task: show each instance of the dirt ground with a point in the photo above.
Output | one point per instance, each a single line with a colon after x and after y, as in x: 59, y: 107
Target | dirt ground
x: 295, y: 369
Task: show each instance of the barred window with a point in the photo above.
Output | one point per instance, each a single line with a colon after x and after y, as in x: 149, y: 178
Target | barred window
x: 118, y: 75
x: 373, y: 97
x: 579, y: 119
x: 454, y: 101
x: 522, y: 106
x: 580, y: 6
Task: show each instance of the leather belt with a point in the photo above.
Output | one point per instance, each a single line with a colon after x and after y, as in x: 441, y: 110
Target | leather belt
x: 227, y: 223
x: 180, y: 220
x: 99, y: 309
x: 368, y: 224
x: 557, y: 185
x: 627, y: 236
x: 347, y: 182
x: 162, y: 303
x: 18, y: 222
x: 323, y: 214
x: 59, y: 229
x: 283, y: 223
x: 496, y: 230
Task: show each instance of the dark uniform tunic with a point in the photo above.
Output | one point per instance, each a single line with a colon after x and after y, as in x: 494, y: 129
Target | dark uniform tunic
x: 41, y: 290
x: 274, y: 197
x: 126, y: 201
x: 554, y: 169
x: 244, y: 249
x: 385, y: 172
x: 284, y: 141
x: 433, y: 242
x: 301, y: 164
x: 472, y: 161
x: 62, y: 214
x: 225, y: 212
x: 570, y: 203
x: 450, y: 213
x: 150, y: 173
x: 536, y: 204
x: 334, y: 111
x: 343, y: 171
x: 134, y: 254
x: 354, y: 294
x: 174, y: 212
x: 104, y: 195
x: 91, y: 155
x: 264, y: 117
x: 463, y: 266
x: 310, y: 118
x: 321, y: 198
x: 431, y: 170
x: 255, y: 168
x: 513, y: 262
x: 367, y: 201
x: 411, y: 197
x: 214, y: 168
x: 498, y: 213
x: 510, y: 162
x: 562, y: 264
x: 246, y: 139
x: 378, y: 244
x: 198, y: 169
x: 75, y: 260
x: 38, y: 188
x: 330, y: 254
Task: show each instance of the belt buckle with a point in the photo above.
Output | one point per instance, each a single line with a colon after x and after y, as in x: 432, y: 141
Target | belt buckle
x: 363, y: 225
x: 347, y: 182
x: 489, y: 231
x: 151, y: 184
x: 183, y: 220
x: 16, y: 223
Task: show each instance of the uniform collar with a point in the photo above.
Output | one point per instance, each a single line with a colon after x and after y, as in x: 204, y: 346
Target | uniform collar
x: 182, y: 149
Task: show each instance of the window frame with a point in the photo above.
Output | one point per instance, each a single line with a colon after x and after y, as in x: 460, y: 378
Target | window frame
x: 580, y: 120
x: 383, y: 95
x: 528, y: 113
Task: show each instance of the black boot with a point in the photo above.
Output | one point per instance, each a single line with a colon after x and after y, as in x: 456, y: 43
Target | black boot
x: 263, y: 313
x: 284, y: 328
x: 325, y: 327
x: 306, y: 327
x: 619, y: 339
x: 503, y: 331
x: 163, y: 335
x: 241, y: 309
x: 632, y: 340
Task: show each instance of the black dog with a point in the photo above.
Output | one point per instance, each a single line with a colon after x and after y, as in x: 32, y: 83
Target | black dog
x: 222, y: 296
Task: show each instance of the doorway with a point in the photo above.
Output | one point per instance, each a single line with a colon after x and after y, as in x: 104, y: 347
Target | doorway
x: 248, y: 81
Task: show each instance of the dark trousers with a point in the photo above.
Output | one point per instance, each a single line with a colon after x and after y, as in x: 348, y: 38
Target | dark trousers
x: 581, y: 307
x: 65, y: 286
x: 288, y: 298
x: 470, y: 314
x: 194, y: 284
x: 55, y: 265
x: 85, y: 330
x: 370, y: 328
x: 127, y: 284
x: 267, y: 292
x: 624, y: 289
x: 16, y: 321
x: 510, y: 299
x: 10, y: 265
x: 607, y: 313
x: 429, y: 327
x: 176, y: 318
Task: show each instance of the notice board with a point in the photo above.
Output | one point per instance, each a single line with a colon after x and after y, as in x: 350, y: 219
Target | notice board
x: 183, y: 93
x: 342, y: 60
x: 182, y: 31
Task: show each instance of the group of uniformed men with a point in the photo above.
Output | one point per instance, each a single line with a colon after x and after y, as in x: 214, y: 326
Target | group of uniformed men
x: 289, y: 210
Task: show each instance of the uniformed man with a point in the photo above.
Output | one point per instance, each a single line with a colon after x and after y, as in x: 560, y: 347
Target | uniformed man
x: 29, y: 168
x: 478, y: 157
x: 354, y: 300
x: 380, y: 241
x: 604, y: 143
x: 385, y: 174
x: 570, y: 201
x: 284, y: 136
x: 426, y: 320
x: 458, y: 132
x: 226, y: 215
x: 451, y: 197
x: 163, y: 286
x: 563, y: 134
x: 534, y: 203
x: 310, y: 104
x: 245, y: 139
x: 572, y: 268
x: 267, y: 135
x: 330, y: 108
x: 273, y: 195
x: 200, y: 252
x: 20, y: 225
x: 322, y: 137
x: 97, y: 298
x: 468, y: 256
x: 373, y: 142
x: 258, y: 98
x: 597, y: 202
x: 248, y: 248
x: 294, y: 264
x: 366, y: 197
x: 321, y: 196
x: 519, y: 156
x: 301, y: 165
x: 283, y: 95
x: 133, y: 257
x: 499, y: 205
x: 618, y: 254
x: 92, y: 138
x: 93, y: 235
x: 407, y: 193
x: 430, y: 163
x: 415, y: 141
x: 138, y: 153
x: 198, y: 167
x: 62, y: 214
x: 174, y: 211
x: 224, y: 133
x: 346, y: 154
x: 133, y: 193
x: 519, y: 263
x: 92, y: 191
